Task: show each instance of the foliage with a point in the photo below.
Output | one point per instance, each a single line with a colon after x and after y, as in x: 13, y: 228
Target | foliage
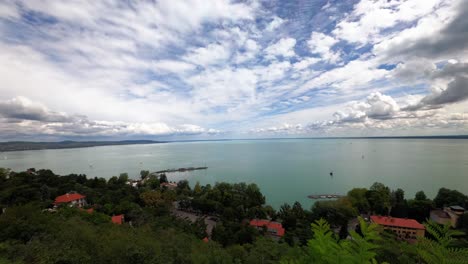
x: 379, y: 198
x: 447, y: 197
x: 326, y: 248
x: 440, y: 249
x: 358, y: 199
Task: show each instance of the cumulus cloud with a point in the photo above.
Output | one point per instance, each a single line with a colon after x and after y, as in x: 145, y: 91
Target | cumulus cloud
x: 283, y: 48
x: 451, y: 39
x: 211, y: 54
x: 152, y: 67
x: 274, y: 24
x: 321, y: 44
x: 450, y: 85
x: 23, y: 116
x: 24, y: 109
x: 376, y: 106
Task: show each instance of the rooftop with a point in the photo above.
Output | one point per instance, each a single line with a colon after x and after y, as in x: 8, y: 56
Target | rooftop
x: 457, y: 208
x: 440, y: 213
x: 118, y: 219
x: 396, y: 222
x: 68, y: 197
x: 269, y: 224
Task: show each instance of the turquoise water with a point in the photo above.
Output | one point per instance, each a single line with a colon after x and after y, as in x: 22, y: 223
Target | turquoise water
x: 286, y: 170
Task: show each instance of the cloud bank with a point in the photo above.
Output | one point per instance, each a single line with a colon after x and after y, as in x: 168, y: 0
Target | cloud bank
x: 221, y: 68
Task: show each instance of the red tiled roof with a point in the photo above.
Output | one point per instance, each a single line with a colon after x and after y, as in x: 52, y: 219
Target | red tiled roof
x: 205, y: 240
x: 269, y: 224
x: 398, y: 222
x: 118, y: 219
x: 89, y: 211
x: 68, y: 197
x: 169, y: 184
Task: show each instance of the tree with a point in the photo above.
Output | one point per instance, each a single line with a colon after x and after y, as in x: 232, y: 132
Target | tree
x: 420, y: 196
x: 447, y: 197
x: 358, y: 199
x: 399, y: 204
x: 420, y: 207
x: 379, y: 198
x: 144, y: 174
x: 162, y: 178
x: 197, y: 189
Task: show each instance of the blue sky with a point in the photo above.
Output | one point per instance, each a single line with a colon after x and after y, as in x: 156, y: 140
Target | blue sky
x: 206, y: 69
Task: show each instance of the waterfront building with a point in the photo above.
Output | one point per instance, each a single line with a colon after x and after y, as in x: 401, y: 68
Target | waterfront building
x: 405, y: 229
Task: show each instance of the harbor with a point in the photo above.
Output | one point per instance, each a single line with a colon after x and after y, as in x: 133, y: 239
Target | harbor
x: 325, y: 196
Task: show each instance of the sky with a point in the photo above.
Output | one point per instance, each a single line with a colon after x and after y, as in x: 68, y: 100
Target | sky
x: 210, y: 69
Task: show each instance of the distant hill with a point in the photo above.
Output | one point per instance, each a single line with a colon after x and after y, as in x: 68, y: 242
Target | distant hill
x: 26, y: 145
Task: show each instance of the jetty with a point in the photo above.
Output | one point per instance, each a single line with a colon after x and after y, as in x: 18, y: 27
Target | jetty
x: 181, y: 169
x: 325, y: 196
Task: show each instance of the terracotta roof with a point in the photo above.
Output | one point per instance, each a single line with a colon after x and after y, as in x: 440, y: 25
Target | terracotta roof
x: 169, y: 184
x: 68, y: 197
x: 118, y: 219
x: 89, y: 211
x: 398, y: 222
x: 269, y: 224
x: 205, y: 240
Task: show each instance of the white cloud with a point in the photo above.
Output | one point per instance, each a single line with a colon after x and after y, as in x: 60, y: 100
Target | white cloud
x: 321, y: 44
x: 274, y: 24
x: 173, y: 66
x: 305, y: 63
x: 211, y: 54
x: 225, y: 87
x: 369, y: 18
x: 284, y: 48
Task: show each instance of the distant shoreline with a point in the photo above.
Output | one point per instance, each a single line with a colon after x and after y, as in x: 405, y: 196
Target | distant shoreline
x: 27, y: 145
x: 30, y: 145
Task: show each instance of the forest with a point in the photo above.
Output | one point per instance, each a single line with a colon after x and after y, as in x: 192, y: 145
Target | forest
x: 31, y: 231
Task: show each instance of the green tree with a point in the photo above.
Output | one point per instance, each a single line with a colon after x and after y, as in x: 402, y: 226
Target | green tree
x: 358, y: 199
x: 447, y: 197
x: 379, y: 198
x: 144, y: 174
x: 420, y: 196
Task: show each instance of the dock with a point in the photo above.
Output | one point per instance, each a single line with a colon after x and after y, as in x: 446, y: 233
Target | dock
x: 325, y: 196
x: 181, y: 169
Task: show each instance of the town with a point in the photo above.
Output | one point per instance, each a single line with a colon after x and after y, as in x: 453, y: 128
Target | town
x: 235, y: 215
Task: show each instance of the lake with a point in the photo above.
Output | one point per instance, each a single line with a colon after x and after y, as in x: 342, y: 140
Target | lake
x: 286, y: 170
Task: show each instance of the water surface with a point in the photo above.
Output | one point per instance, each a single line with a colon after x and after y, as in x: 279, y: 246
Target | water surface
x: 286, y: 170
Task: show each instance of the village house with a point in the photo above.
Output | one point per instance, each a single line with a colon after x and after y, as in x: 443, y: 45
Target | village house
x: 274, y: 229
x: 169, y: 185
x: 118, y: 219
x: 448, y: 215
x: 405, y: 229
x: 72, y: 199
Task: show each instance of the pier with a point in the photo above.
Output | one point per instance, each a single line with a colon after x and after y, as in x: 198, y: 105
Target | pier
x: 181, y: 169
x: 325, y: 196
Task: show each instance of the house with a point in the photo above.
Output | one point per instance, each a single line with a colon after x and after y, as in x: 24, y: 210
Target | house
x: 118, y: 219
x: 274, y: 229
x: 72, y: 199
x: 448, y: 215
x: 405, y: 229
x: 169, y: 185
